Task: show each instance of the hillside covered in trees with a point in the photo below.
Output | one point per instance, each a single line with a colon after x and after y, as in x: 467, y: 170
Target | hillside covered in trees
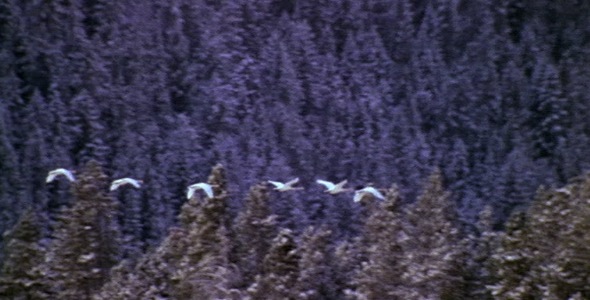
x: 471, y: 116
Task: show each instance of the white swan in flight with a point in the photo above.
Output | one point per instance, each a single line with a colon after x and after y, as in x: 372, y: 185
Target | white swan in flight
x: 52, y: 174
x: 288, y: 186
x: 564, y: 191
x: 207, y: 188
x: 333, y: 188
x: 119, y: 182
x: 359, y: 194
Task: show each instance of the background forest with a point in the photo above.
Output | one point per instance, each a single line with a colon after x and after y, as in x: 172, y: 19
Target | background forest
x: 473, y: 115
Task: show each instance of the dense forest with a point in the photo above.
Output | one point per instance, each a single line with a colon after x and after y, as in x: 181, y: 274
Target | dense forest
x: 470, y: 116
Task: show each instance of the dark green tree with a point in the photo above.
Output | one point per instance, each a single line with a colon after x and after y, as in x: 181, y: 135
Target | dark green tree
x: 204, y: 271
x: 192, y: 262
x: 280, y: 270
x: 348, y: 258
x: 23, y: 253
x: 86, y: 242
x: 316, y: 278
x: 151, y: 277
x: 253, y: 231
x: 482, y: 243
x: 381, y: 275
x: 9, y: 171
x: 433, y: 250
x: 549, y: 114
x: 544, y: 254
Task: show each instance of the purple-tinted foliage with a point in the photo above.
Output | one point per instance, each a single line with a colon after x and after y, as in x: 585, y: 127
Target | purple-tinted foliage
x: 371, y: 92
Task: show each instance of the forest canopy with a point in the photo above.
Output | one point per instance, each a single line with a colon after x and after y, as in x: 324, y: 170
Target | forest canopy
x: 473, y: 113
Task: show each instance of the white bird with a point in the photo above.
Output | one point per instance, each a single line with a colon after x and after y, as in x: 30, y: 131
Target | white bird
x: 52, y: 174
x: 119, y: 182
x: 359, y: 194
x: 288, y: 186
x: 564, y: 191
x: 207, y: 188
x: 333, y: 188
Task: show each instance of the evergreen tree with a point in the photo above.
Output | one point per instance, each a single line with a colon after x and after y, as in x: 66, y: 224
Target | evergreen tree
x: 122, y: 284
x: 204, y: 270
x: 280, y: 270
x: 253, y: 232
x: 519, y: 178
x: 89, y: 139
x: 348, y: 258
x: 544, y: 255
x: 132, y: 223
x: 34, y: 155
x: 433, y: 260
x: 100, y: 19
x: 9, y: 172
x: 549, y: 114
x: 316, y: 278
x: 131, y: 161
x: 86, y: 241
x: 380, y: 276
x: 23, y: 253
x: 192, y: 261
x: 10, y: 54
x: 481, y: 245
x: 152, y: 276
x: 511, y: 260
x: 402, y: 31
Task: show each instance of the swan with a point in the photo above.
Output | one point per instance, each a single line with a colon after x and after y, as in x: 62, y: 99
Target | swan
x: 288, y: 186
x: 333, y: 188
x: 207, y: 188
x: 359, y: 194
x: 119, y: 182
x: 564, y: 191
x: 52, y: 174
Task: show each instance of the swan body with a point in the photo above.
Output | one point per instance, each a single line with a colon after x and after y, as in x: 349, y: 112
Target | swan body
x: 288, y: 186
x: 359, y: 194
x: 207, y: 188
x: 54, y: 173
x: 123, y: 181
x: 333, y: 188
x: 564, y: 191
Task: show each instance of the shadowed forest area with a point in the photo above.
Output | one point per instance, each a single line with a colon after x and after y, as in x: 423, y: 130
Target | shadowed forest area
x: 470, y: 116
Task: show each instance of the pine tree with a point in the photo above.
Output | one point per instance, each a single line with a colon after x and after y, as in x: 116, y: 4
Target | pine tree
x: 192, y: 262
x: 89, y: 142
x: 86, y: 242
x: 403, y: 31
x: 549, y: 114
x: 574, y: 76
x: 10, y: 59
x: 316, y: 278
x: 100, y: 19
x: 348, y: 258
x: 132, y: 222
x: 545, y: 254
x: 511, y: 260
x: 253, y: 232
x: 204, y: 270
x: 481, y: 245
x: 152, y: 276
x: 122, y: 284
x: 433, y: 260
x: 380, y: 276
x: 34, y: 155
x: 9, y: 171
x: 280, y: 270
x: 180, y: 73
x: 23, y: 253
x: 519, y: 177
